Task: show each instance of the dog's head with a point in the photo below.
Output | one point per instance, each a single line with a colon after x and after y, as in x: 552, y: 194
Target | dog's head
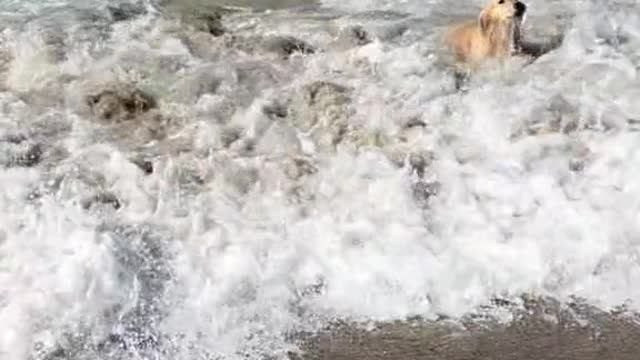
x: 501, y: 12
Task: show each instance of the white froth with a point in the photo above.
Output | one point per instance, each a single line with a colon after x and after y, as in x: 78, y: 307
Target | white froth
x: 537, y: 170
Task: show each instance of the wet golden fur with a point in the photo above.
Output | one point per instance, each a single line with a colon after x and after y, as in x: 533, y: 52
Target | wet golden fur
x: 491, y: 36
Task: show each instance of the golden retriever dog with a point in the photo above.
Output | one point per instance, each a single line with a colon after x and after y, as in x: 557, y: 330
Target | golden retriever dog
x: 494, y: 35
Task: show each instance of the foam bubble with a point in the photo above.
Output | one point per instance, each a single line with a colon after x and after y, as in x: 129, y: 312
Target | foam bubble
x: 281, y: 193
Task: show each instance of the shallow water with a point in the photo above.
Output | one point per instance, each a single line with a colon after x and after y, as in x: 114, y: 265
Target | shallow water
x: 249, y: 4
x: 268, y: 194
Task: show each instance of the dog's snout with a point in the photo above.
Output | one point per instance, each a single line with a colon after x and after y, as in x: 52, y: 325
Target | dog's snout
x: 520, y: 8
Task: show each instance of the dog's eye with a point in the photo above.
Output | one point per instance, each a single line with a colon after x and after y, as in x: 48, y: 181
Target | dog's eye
x: 501, y: 2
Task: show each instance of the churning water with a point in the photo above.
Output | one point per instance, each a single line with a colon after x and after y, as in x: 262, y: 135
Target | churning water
x: 172, y: 187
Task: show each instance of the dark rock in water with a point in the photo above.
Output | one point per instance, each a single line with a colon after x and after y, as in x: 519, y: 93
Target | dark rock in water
x: 539, y: 39
x: 145, y: 165
x: 120, y: 104
x: 352, y: 36
x: 298, y: 167
x: 209, y: 22
x: 633, y: 124
x: 423, y: 191
x: 582, y: 156
x: 414, y: 122
x: 538, y: 44
x: 576, y: 165
x: 102, y: 198
x: 31, y: 157
x: 19, y: 151
x: 14, y: 138
x: 419, y: 161
x: 201, y: 15
x: 56, y: 354
x: 124, y: 12
x: 229, y: 135
x: 275, y: 109
x: 214, y: 24
x: 288, y: 45
x: 358, y: 35
x: 537, y: 49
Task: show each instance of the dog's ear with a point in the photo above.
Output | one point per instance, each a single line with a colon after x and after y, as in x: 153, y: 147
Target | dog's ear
x: 484, y: 20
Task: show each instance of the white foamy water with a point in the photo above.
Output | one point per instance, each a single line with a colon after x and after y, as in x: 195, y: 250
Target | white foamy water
x: 255, y: 224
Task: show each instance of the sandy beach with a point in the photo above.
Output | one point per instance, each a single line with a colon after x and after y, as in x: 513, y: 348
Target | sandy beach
x: 543, y: 331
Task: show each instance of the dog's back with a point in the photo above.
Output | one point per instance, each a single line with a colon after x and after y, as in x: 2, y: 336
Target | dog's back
x: 466, y: 42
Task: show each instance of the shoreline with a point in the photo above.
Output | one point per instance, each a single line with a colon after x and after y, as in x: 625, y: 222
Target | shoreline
x: 542, y: 330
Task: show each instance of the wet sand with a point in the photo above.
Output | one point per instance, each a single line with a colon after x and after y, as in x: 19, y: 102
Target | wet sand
x: 542, y: 331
